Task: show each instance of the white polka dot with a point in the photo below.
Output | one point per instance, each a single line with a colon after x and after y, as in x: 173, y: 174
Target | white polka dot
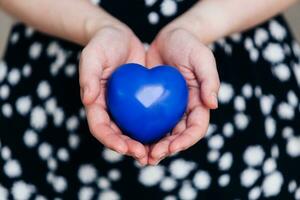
x: 292, y: 186
x: 213, y: 156
x: 114, y: 174
x: 248, y: 43
x: 211, y: 129
x: 153, y: 18
x: 63, y: 154
x: 12, y: 169
x: 216, y: 142
x: 168, y: 8
x: 241, y: 121
x: 7, y: 110
x: 30, y: 138
x: 150, y: 2
x: 43, y: 89
x: 86, y: 193
x: 35, y: 50
x: 277, y: 31
x: 5, y: 153
x: 14, y: 38
x: 26, y: 71
x: 95, y: 2
x: 224, y: 180
x: 292, y: 98
x: 170, y: 197
x: 236, y: 37
x: 260, y: 37
x: 87, y: 173
x: 45, y: 150
x: 275, y: 151
x: 239, y: 103
x: 38, y: 118
x: 111, y: 156
x: 225, y: 161
x: 52, y: 164
x: 187, y: 192
x: 3, y: 70
x: 58, y: 117
x: 282, y: 72
x: 285, y: 111
x: 249, y: 177
x: 272, y: 183
x: 247, y: 90
x: 168, y: 184
x: 21, y: 190
x: 225, y: 93
x: 82, y: 113
x: 103, y: 183
x: 202, y: 180
x: 293, y: 147
x: 257, y: 91
x: 14, y: 76
x: 269, y: 165
x: 70, y: 70
x: 297, y: 194
x: 108, y: 194
x: 73, y: 141
x: 40, y: 197
x: 23, y: 105
x: 72, y: 123
x: 4, y: 92
x: 228, y: 129
x: 254, y: 155
x: 180, y: 168
x: 151, y: 175
x: 254, y: 193
x: 29, y: 31
x: 60, y: 184
x: 254, y: 55
x: 3, y: 193
x: 51, y: 105
x: 273, y: 53
x: 270, y: 127
x: 266, y: 104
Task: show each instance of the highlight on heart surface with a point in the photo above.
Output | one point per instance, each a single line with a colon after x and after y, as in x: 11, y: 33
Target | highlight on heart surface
x: 146, y: 104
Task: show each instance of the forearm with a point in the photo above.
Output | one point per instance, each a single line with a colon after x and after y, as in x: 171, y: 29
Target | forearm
x: 210, y: 20
x: 73, y: 20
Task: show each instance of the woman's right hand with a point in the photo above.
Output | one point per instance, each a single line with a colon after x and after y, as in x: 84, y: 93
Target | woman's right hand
x: 109, y: 47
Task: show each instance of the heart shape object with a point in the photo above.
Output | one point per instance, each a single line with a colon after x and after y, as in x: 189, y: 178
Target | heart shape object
x: 146, y: 103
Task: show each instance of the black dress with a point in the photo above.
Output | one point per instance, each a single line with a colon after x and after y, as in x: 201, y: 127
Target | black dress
x: 251, y: 150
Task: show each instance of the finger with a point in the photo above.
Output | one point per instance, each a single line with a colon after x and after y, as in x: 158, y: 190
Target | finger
x: 203, y: 61
x: 90, y: 69
x: 137, y: 54
x: 197, y: 124
x: 160, y: 150
x: 99, y: 126
x: 180, y: 127
x: 135, y: 148
x: 153, y: 57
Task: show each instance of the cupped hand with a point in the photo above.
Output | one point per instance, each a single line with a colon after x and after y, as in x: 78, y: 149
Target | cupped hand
x: 110, y: 47
x: 180, y: 48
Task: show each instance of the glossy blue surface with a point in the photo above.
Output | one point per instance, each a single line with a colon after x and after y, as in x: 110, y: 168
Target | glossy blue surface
x: 146, y: 104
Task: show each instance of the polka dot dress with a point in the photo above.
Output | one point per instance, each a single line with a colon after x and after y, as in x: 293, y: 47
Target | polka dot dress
x: 251, y: 150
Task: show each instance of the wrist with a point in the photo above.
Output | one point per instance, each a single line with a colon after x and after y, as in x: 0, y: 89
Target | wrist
x: 94, y: 24
x: 202, y: 23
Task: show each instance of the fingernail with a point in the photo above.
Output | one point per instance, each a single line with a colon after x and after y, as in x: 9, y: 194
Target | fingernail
x: 214, y: 99
x: 161, y: 156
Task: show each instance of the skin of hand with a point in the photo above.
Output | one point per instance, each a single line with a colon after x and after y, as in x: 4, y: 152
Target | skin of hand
x: 110, y: 47
x: 180, y: 48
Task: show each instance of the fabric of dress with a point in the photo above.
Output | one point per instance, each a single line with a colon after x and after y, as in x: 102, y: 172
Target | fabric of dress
x: 251, y: 150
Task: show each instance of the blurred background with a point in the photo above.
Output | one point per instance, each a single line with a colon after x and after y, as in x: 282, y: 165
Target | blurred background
x: 292, y: 15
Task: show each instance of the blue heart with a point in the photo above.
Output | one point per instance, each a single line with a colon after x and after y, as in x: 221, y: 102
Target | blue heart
x: 146, y: 104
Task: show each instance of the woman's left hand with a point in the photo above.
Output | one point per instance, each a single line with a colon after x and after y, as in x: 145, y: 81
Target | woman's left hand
x: 180, y: 48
